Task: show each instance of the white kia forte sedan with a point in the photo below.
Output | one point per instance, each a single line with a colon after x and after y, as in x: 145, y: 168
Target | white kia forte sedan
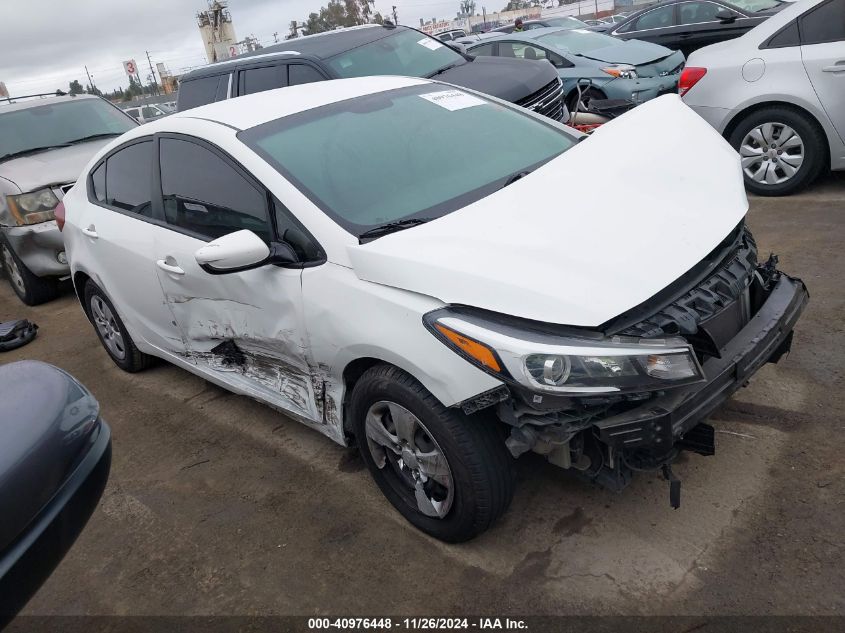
x: 313, y: 247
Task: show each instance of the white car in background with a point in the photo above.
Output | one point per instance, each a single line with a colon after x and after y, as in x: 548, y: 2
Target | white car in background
x: 778, y: 95
x: 313, y: 247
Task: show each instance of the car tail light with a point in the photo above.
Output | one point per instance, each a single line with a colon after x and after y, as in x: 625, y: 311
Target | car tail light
x: 59, y: 212
x: 689, y: 77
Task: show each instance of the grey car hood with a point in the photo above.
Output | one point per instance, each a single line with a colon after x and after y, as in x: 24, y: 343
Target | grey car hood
x: 53, y: 167
x: 634, y: 52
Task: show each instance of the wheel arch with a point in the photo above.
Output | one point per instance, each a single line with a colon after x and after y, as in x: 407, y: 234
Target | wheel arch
x: 738, y: 116
x: 351, y: 374
x: 81, y: 278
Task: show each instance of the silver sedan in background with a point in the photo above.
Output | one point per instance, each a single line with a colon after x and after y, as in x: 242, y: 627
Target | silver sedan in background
x: 778, y: 95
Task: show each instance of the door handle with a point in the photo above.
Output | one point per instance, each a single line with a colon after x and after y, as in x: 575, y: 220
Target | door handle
x: 169, y: 268
x: 91, y: 232
x: 838, y: 67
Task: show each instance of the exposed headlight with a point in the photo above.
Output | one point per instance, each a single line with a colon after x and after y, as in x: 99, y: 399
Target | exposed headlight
x: 34, y: 207
x: 564, y: 364
x: 623, y: 71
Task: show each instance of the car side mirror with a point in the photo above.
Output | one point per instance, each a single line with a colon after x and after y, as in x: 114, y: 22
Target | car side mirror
x: 725, y: 17
x: 231, y: 253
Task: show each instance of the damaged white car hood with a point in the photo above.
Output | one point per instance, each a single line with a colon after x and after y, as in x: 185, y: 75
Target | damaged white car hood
x: 593, y: 233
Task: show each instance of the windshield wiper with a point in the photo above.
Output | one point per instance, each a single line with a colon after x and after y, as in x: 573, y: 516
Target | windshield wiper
x: 392, y: 227
x: 444, y: 69
x: 32, y: 150
x: 92, y: 137
x: 516, y: 176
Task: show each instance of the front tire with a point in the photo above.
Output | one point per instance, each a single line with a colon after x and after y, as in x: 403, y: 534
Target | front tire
x: 30, y: 288
x: 112, y: 333
x: 782, y: 150
x: 448, y: 474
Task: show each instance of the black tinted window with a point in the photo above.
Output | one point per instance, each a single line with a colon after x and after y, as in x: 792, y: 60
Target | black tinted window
x: 206, y: 195
x: 129, y: 178
x: 260, y: 79
x: 656, y: 19
x: 787, y: 36
x: 302, y: 74
x: 98, y: 183
x: 291, y: 231
x: 696, y: 12
x: 198, y: 92
x: 825, y: 23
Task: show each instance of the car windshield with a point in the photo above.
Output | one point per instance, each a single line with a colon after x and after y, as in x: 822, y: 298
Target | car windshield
x: 409, y: 53
x: 379, y: 158
x: 57, y: 124
x: 566, y: 22
x: 578, y: 41
x: 757, y: 5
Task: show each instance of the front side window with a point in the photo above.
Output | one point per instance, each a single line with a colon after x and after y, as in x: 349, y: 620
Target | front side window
x: 824, y: 23
x: 697, y: 12
x: 58, y: 124
x: 656, y: 19
x: 205, y: 195
x: 409, y: 53
x: 752, y: 6
x: 303, y: 74
x: 129, y: 178
x: 483, y: 50
x: 361, y: 163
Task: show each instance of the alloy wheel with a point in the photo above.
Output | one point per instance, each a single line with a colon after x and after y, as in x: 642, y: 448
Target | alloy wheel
x: 398, y: 439
x: 771, y: 153
x: 108, y: 328
x: 13, y: 270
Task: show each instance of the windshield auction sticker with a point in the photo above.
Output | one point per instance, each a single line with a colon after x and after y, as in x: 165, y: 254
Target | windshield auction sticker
x: 453, y: 99
x: 430, y: 43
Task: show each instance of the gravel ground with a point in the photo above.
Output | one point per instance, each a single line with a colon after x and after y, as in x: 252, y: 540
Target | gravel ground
x: 219, y: 505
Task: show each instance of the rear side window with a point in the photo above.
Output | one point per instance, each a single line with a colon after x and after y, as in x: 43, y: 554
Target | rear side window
x: 824, y: 23
x: 260, y: 79
x: 205, y: 195
x: 657, y: 19
x: 129, y: 178
x: 98, y: 183
x: 697, y: 12
x: 197, y: 92
x: 786, y: 37
x: 303, y: 74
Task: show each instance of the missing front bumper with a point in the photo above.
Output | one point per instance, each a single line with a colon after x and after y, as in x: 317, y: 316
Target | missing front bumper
x: 662, y: 422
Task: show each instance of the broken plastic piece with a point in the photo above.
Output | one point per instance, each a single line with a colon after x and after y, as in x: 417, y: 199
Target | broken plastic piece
x: 674, y: 486
x: 15, y: 334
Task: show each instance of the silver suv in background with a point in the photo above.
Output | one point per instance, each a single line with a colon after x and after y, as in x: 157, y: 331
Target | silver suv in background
x: 44, y: 144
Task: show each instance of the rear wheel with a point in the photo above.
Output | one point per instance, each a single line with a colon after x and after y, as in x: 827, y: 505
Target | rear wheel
x: 112, y: 333
x: 448, y: 474
x: 782, y: 150
x: 30, y: 288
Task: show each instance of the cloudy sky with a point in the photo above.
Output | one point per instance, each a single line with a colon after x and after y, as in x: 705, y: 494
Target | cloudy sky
x: 47, y: 43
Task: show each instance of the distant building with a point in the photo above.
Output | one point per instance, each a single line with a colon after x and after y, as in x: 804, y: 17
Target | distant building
x: 217, y: 31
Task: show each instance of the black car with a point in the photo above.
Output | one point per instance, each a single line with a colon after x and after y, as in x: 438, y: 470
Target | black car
x: 687, y: 25
x: 374, y: 50
x: 55, y: 456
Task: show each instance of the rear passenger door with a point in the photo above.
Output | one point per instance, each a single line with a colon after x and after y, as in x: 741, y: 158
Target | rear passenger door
x: 117, y: 240
x: 822, y: 31
x: 244, y: 327
x: 203, y: 90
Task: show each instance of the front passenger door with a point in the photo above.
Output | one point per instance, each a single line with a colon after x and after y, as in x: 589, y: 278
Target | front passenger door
x: 243, y: 328
x: 823, y: 54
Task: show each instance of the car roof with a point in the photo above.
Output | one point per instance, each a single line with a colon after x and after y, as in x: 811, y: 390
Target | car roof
x: 251, y: 110
x: 34, y: 102
x: 317, y: 46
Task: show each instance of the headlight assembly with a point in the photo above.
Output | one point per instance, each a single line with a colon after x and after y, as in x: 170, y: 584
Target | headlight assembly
x: 566, y: 364
x: 33, y: 207
x: 622, y: 71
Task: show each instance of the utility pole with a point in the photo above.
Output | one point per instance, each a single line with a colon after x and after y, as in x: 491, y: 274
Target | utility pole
x: 152, y: 72
x: 90, y: 80
x: 395, y: 17
x: 276, y: 37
